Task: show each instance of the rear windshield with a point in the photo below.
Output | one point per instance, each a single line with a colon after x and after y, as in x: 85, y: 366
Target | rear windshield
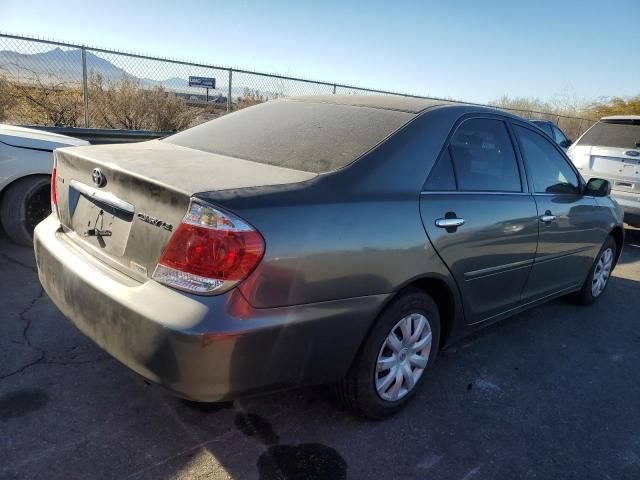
x: 613, y: 133
x: 312, y: 137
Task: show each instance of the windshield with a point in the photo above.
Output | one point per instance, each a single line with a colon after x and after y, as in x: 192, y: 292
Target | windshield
x: 613, y: 133
x: 307, y: 136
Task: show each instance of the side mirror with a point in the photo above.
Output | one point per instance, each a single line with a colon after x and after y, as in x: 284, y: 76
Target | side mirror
x: 597, y: 187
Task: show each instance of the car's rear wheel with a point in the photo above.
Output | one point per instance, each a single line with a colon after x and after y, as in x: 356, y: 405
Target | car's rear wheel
x: 25, y: 203
x: 395, y: 357
x: 599, y: 275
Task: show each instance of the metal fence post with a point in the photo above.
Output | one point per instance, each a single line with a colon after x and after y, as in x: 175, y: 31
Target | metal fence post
x: 85, y: 89
x: 334, y: 88
x: 229, y: 92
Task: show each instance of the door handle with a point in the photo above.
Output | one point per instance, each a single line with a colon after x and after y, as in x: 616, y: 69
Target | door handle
x: 548, y: 217
x: 449, y: 222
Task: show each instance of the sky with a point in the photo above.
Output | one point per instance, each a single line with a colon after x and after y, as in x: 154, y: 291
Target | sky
x: 466, y: 50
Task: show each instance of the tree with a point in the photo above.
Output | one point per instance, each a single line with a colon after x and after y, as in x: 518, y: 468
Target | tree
x: 40, y: 100
x: 564, y: 109
x: 522, y: 104
x: 168, y: 111
x: 7, y: 100
x: 249, y: 97
x: 616, y: 106
x: 126, y: 104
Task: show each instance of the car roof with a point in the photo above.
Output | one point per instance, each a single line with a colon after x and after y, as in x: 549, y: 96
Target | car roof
x: 411, y: 105
x: 541, y: 121
x: 385, y: 102
x: 622, y: 117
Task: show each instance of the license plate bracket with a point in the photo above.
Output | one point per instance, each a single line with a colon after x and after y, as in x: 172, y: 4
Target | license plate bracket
x: 98, y: 224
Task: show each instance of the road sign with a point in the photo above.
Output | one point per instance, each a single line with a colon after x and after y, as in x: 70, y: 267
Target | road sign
x: 202, y: 82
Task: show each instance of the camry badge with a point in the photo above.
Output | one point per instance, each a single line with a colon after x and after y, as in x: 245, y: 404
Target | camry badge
x: 98, y: 177
x: 155, y: 221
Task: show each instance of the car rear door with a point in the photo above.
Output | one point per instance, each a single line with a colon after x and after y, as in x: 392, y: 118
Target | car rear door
x: 569, y: 222
x: 480, y: 217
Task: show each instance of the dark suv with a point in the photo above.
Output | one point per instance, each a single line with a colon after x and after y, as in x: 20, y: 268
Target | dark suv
x: 554, y: 132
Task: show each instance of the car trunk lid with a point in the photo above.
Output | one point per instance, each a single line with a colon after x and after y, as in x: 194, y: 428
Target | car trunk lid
x: 127, y: 219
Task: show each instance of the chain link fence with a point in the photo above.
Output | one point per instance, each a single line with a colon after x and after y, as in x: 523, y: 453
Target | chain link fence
x: 44, y: 82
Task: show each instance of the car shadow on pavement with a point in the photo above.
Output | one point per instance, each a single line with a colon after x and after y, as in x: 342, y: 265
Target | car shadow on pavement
x: 550, y: 393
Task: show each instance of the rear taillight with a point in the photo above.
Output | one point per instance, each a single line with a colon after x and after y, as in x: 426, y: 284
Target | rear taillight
x: 209, y: 252
x: 54, y: 187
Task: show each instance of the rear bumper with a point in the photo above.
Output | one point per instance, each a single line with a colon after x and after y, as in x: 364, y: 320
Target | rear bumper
x: 202, y: 348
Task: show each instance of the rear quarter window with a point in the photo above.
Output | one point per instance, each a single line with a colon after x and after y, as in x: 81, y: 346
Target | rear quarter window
x: 613, y: 133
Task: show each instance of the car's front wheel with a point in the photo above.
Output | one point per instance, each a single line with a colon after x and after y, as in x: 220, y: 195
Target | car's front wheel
x: 394, y: 359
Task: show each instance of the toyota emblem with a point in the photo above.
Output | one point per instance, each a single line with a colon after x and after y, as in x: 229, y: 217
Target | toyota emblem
x: 98, y: 177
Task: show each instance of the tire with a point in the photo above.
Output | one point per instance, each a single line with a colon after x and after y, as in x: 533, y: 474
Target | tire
x: 586, y: 295
x: 358, y: 391
x: 25, y: 203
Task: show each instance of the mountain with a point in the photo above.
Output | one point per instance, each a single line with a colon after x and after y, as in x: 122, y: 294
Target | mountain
x: 56, y: 65
x: 173, y: 83
x: 65, y: 66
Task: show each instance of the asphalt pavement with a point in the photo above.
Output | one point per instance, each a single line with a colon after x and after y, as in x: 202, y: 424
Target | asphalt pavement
x: 553, y: 393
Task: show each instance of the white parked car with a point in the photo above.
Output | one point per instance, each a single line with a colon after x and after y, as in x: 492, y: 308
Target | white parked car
x: 26, y: 161
x: 610, y: 149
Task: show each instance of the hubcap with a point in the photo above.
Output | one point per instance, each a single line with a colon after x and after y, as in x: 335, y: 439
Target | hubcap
x: 602, y: 272
x: 403, y: 357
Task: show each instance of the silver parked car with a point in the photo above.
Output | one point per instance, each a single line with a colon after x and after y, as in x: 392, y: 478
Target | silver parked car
x: 337, y: 239
x: 611, y: 149
x: 25, y: 172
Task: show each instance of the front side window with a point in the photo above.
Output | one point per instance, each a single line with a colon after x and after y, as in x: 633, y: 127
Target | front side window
x: 483, y: 157
x: 548, y: 169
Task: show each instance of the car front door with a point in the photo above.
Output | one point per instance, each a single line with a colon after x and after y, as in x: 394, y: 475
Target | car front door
x: 568, y: 221
x: 480, y: 217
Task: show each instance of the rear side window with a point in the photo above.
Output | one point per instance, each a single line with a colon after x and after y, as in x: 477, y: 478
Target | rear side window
x: 547, y: 168
x: 613, y: 133
x: 307, y: 136
x: 483, y: 157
